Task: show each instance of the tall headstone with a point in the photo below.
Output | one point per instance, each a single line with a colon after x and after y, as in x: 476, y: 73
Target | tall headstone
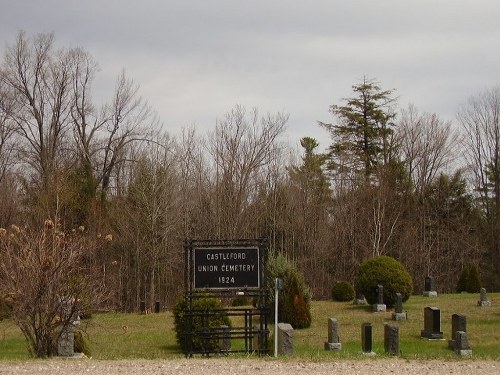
x: 333, y: 342
x: 458, y: 323
x: 380, y: 306
x: 432, y: 324
x: 483, y: 299
x: 285, y: 339
x: 462, y: 346
x: 391, y: 339
x: 399, y: 313
x: 367, y: 338
x: 429, y: 287
x: 225, y: 343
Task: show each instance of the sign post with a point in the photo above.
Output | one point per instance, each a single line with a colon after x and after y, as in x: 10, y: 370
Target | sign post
x: 278, y: 285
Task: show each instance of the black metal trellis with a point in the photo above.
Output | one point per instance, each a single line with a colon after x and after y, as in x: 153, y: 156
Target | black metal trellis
x: 226, y: 269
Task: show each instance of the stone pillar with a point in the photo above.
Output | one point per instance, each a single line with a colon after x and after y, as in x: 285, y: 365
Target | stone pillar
x: 432, y: 324
x: 66, y: 344
x: 429, y: 287
x: 285, y: 339
x: 157, y: 307
x: 225, y: 342
x: 398, y: 313
x: 143, y: 307
x: 391, y: 339
x: 483, y: 299
x: 458, y: 323
x: 380, y: 306
x: 333, y: 342
x: 462, y: 346
x: 367, y: 338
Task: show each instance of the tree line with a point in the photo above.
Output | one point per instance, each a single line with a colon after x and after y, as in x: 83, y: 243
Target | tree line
x: 393, y: 181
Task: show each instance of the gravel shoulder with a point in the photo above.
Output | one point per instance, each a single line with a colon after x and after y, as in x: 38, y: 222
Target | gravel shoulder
x: 228, y: 366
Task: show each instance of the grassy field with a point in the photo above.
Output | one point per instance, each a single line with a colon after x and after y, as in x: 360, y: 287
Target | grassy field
x: 120, y: 336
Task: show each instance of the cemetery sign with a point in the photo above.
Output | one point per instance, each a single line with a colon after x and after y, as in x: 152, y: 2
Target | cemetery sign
x: 226, y: 267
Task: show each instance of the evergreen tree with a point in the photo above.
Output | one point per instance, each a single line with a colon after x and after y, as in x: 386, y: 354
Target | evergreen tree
x: 361, y: 136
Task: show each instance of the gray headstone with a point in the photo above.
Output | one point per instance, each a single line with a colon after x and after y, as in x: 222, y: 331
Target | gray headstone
x: 367, y: 338
x: 458, y: 323
x: 285, y: 339
x: 429, y: 287
x: 483, y: 299
x: 333, y: 342
x: 380, y: 306
x: 66, y: 343
x: 432, y: 324
x: 225, y: 344
x: 462, y: 346
x: 391, y: 339
x: 399, y: 314
x: 380, y: 294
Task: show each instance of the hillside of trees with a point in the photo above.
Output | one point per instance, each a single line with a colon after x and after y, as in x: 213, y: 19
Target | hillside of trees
x: 394, y: 181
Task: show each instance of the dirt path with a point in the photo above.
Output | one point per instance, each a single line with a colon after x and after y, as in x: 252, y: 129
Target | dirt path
x: 215, y: 366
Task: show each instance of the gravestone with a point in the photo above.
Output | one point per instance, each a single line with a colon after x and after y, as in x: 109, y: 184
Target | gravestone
x: 157, y: 307
x: 225, y: 344
x: 399, y: 313
x: 483, y: 299
x: 391, y: 339
x: 333, y: 342
x: 367, y: 339
x: 360, y: 299
x: 380, y: 306
x: 458, y: 323
x: 432, y: 324
x: 66, y: 342
x: 285, y: 339
x: 462, y: 346
x: 429, y: 287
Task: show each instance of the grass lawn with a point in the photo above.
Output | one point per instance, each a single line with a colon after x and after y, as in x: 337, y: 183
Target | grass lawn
x: 120, y: 336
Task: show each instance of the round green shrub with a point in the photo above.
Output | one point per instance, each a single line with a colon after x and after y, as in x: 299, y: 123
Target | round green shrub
x: 181, y: 321
x: 294, y: 300
x: 343, y: 291
x: 387, y: 272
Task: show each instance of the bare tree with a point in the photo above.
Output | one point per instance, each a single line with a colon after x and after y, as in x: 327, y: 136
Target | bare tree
x: 241, y: 147
x: 44, y: 278
x: 426, y: 144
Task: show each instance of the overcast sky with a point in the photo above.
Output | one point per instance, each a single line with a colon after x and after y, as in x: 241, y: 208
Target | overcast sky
x: 195, y: 60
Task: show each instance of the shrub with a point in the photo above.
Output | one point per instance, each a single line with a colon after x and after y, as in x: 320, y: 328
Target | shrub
x: 343, y: 291
x: 388, y: 272
x: 81, y: 345
x: 295, y: 298
x: 469, y: 280
x: 240, y: 301
x: 181, y: 321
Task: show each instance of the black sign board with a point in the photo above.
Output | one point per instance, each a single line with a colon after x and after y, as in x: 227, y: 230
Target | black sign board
x: 226, y: 267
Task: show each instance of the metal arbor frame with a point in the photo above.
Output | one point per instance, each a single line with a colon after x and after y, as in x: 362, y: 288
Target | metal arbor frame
x: 253, y: 329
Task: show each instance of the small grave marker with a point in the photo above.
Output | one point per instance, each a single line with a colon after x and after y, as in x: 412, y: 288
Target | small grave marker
x: 462, y: 346
x: 391, y: 339
x: 333, y: 342
x: 285, y: 339
x: 399, y: 313
x: 429, y: 287
x: 380, y: 306
x: 483, y: 299
x: 432, y: 324
x: 458, y: 323
x: 367, y: 338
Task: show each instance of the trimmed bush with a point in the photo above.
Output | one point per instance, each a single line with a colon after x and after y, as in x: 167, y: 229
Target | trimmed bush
x: 387, y: 272
x: 181, y: 321
x: 81, y: 345
x: 240, y: 301
x: 295, y: 298
x: 343, y: 291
